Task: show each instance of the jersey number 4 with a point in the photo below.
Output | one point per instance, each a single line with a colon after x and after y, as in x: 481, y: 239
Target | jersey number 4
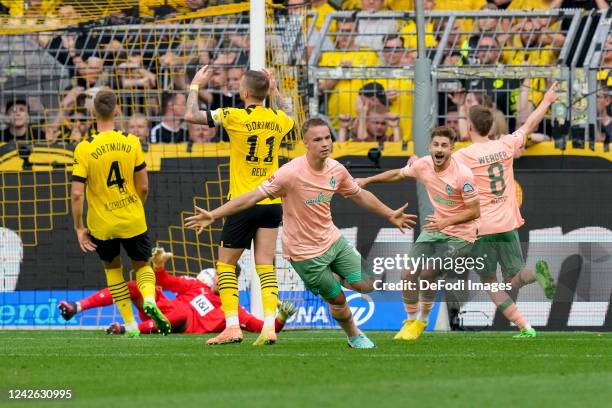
x: 114, y: 177
x: 252, y: 141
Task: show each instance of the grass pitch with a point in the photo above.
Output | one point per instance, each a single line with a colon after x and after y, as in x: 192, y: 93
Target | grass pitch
x: 313, y: 368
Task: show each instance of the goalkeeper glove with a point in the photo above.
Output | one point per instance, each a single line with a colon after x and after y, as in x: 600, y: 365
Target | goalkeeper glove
x: 286, y: 309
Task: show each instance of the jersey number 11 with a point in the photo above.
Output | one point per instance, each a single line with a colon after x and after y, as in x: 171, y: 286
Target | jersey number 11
x: 252, y: 141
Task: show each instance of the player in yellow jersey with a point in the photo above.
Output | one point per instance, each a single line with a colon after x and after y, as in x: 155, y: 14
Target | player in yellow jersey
x: 112, y: 168
x: 255, y: 134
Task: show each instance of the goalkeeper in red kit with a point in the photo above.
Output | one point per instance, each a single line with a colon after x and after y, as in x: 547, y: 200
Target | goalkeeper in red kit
x: 195, y: 309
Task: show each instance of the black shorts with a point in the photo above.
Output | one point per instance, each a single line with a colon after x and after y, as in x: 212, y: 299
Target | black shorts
x: 138, y: 248
x: 240, y: 229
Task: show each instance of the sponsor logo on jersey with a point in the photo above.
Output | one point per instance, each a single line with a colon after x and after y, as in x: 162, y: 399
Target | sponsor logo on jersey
x: 321, y: 199
x: 444, y: 201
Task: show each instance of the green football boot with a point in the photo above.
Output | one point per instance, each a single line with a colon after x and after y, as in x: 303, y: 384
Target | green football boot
x: 526, y: 333
x: 161, y: 322
x: 133, y: 333
x: 545, y: 280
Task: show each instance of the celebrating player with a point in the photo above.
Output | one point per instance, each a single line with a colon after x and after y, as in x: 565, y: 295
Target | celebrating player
x: 195, y: 309
x: 311, y: 242
x: 492, y: 161
x: 113, y: 167
x: 452, y: 228
x: 255, y: 134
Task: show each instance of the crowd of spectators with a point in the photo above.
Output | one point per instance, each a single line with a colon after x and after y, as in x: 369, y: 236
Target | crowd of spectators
x: 389, y: 41
x: 151, y: 69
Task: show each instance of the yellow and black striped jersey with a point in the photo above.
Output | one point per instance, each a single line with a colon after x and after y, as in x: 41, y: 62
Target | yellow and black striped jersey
x: 107, y: 163
x: 255, y: 135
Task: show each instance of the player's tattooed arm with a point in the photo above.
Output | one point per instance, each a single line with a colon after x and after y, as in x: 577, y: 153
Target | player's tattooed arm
x: 276, y: 99
x: 193, y: 114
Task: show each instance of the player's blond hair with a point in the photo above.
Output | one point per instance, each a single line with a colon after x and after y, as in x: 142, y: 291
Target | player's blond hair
x: 257, y: 84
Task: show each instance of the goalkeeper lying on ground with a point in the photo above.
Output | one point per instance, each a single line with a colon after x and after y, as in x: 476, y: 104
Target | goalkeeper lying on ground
x: 195, y: 309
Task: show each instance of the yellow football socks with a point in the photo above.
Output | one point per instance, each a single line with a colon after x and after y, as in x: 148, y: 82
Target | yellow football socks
x: 228, y: 291
x: 145, y: 279
x: 269, y: 292
x: 121, y: 294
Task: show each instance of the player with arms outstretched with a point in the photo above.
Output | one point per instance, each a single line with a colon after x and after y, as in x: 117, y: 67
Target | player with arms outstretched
x: 112, y: 166
x: 452, y: 228
x: 491, y: 162
x: 195, y: 309
x: 311, y: 242
x: 255, y: 134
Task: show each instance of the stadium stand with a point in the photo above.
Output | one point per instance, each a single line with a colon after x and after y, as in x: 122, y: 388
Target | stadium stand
x: 504, y: 58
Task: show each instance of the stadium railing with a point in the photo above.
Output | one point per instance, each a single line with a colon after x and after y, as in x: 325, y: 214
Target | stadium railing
x: 479, y: 52
x: 593, y: 84
x: 454, y: 46
x: 39, y: 68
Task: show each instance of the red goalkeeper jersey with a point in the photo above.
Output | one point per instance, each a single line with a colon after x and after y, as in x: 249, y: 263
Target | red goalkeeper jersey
x: 196, y: 307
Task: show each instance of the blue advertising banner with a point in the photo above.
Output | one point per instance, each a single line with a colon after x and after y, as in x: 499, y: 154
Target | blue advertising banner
x: 39, y: 309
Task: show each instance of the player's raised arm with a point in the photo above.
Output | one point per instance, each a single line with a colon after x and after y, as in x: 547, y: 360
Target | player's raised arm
x: 276, y: 99
x: 204, y: 218
x: 533, y: 121
x: 370, y: 202
x: 193, y: 114
x: 390, y: 176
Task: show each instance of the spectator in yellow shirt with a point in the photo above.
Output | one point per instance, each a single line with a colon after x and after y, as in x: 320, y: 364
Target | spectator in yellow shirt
x: 408, y: 32
x: 460, y: 5
x: 534, y: 4
x: 603, y: 75
x: 340, y: 94
x: 322, y: 8
x: 399, y: 91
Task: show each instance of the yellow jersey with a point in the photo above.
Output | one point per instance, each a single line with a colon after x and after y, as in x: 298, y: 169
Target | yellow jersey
x: 322, y: 11
x: 528, y: 5
x: 604, y: 76
x: 465, y: 24
x: 341, y: 100
x: 255, y: 134
x: 409, y: 35
x: 459, y: 5
x: 107, y: 163
x: 403, y: 104
x: 400, y: 5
